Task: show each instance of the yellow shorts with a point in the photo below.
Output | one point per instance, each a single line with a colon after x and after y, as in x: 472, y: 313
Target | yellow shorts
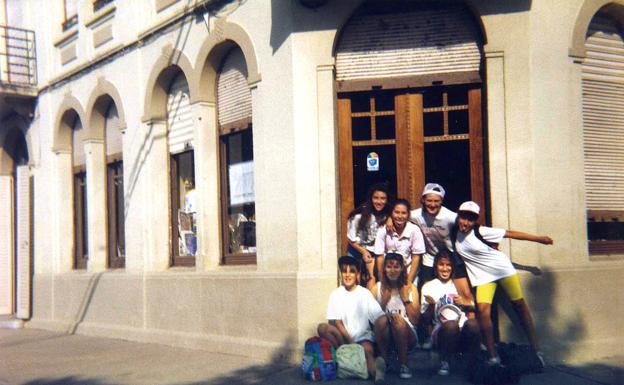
x: 511, y: 285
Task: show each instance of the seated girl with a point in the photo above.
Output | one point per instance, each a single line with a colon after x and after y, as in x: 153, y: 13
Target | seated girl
x: 442, y: 306
x: 350, y: 311
x: 399, y: 299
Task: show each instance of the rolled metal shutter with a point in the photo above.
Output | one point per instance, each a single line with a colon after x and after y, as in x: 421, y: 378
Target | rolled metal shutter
x: 179, y: 116
x: 440, y: 40
x: 233, y: 93
x: 603, y: 114
x: 114, y: 139
x: 78, y: 135
x: 23, y: 241
x: 6, y: 244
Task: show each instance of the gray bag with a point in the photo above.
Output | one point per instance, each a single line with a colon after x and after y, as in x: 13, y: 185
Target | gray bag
x: 351, y: 361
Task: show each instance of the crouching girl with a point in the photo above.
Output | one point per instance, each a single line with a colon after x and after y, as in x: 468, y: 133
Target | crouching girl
x: 442, y: 306
x: 350, y: 311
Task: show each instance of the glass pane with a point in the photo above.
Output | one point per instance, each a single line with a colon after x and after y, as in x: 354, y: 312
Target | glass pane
x: 432, y: 97
x: 361, y: 128
x: 360, y: 102
x: 384, y: 101
x: 241, y: 209
x: 458, y: 122
x: 457, y: 96
x: 187, y: 204
x: 434, y: 123
x: 385, y: 127
x: 448, y: 163
x: 120, y: 210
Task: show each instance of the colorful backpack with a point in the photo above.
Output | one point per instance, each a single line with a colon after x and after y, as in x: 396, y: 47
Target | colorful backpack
x: 319, y: 360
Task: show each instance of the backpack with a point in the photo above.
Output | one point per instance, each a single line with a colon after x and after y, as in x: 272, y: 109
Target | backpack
x: 319, y: 360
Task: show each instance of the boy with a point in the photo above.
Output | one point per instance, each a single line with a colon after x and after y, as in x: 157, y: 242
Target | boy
x: 350, y: 311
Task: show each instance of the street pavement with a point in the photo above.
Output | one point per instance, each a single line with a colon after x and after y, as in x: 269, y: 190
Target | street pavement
x: 38, y: 357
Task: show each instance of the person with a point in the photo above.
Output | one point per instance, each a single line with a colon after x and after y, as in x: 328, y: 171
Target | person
x: 399, y: 299
x: 363, y: 223
x: 443, y: 307
x: 350, y: 311
x: 488, y: 268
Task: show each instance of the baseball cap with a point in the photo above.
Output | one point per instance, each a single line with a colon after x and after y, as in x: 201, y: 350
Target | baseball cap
x: 469, y: 206
x: 433, y: 188
x: 349, y: 260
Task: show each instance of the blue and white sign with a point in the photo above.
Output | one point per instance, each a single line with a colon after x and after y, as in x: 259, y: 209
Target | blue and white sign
x: 372, y: 162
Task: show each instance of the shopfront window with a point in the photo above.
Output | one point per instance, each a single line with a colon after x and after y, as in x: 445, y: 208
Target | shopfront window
x: 184, y: 208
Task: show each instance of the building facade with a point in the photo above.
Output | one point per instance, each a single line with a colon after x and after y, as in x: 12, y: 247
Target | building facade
x: 180, y: 172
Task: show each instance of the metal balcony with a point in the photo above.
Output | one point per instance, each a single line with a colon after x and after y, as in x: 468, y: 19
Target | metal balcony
x: 18, y: 58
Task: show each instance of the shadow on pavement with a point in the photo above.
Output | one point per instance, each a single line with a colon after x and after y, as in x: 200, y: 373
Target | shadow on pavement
x: 68, y: 380
x: 598, y: 372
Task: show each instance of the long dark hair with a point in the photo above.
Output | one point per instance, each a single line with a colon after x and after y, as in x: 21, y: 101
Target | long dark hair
x: 367, y: 209
x: 402, y: 278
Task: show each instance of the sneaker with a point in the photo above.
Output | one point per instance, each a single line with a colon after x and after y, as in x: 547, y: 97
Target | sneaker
x: 540, y: 356
x: 494, y: 361
x: 427, y: 344
x: 405, y: 372
x: 445, y: 368
x: 380, y: 371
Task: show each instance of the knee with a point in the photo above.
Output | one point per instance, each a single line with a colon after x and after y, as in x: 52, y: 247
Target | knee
x: 321, y: 329
x: 450, y: 327
x: 472, y: 326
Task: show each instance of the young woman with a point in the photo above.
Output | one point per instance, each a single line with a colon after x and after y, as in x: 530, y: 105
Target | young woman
x: 442, y: 306
x: 405, y: 239
x: 399, y: 299
x: 488, y: 268
x: 363, y: 224
x: 350, y: 311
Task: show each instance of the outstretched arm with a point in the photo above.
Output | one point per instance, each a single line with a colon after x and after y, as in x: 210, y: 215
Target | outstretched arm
x: 543, y: 239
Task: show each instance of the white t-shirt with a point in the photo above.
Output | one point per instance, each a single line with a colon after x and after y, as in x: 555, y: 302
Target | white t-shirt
x: 435, y: 230
x: 484, y: 263
x: 443, y: 293
x: 355, y: 308
x: 366, y: 238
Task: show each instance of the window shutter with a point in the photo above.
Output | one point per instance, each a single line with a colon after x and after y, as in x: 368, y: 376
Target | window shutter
x: 603, y: 114
x: 78, y: 135
x: 179, y: 116
x: 233, y: 93
x: 6, y: 244
x: 23, y: 204
x: 424, y: 42
x: 114, y: 141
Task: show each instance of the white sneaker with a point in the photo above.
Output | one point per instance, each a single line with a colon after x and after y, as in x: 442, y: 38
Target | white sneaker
x: 445, y: 368
x: 380, y: 371
x: 494, y: 361
x: 540, y: 355
x: 405, y: 372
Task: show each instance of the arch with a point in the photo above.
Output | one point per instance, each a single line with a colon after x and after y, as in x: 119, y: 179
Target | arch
x: 211, y: 54
x: 584, y: 17
x: 102, y: 95
x: 69, y: 110
x: 168, y: 64
x: 470, y: 6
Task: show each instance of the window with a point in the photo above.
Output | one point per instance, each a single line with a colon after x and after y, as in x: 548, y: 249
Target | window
x: 236, y: 161
x: 603, y: 96
x: 115, y: 189
x: 81, y: 235
x: 70, y: 14
x: 99, y: 4
x: 182, y: 173
x: 116, y: 216
x: 183, y: 209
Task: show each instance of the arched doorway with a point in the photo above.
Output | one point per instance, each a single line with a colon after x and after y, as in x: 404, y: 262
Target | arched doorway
x: 15, y: 225
x: 410, y: 102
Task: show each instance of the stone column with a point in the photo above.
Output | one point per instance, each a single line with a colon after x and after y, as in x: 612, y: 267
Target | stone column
x: 7, y: 252
x: 207, y: 176
x: 64, y: 237
x: 96, y: 204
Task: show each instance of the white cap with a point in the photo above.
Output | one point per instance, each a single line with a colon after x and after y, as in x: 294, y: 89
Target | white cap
x: 469, y: 206
x: 434, y: 188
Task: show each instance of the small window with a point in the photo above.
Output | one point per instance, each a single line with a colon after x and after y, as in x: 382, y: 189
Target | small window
x: 81, y: 233
x: 183, y: 208
x: 70, y: 13
x: 238, y: 197
x: 99, y: 4
x: 116, y: 216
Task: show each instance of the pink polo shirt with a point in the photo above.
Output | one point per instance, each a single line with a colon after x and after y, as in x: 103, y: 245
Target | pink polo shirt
x: 407, y: 243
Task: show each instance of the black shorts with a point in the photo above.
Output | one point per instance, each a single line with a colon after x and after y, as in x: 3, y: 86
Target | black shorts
x: 459, y: 270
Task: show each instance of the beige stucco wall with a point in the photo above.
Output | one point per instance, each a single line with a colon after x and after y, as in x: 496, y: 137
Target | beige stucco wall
x: 535, y: 179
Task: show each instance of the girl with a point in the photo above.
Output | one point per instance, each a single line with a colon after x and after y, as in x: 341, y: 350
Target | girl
x: 442, y: 305
x: 399, y: 299
x: 405, y: 239
x: 363, y: 223
x: 487, y: 268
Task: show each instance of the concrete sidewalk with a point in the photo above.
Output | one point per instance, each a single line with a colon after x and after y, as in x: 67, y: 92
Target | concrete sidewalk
x: 29, y: 357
